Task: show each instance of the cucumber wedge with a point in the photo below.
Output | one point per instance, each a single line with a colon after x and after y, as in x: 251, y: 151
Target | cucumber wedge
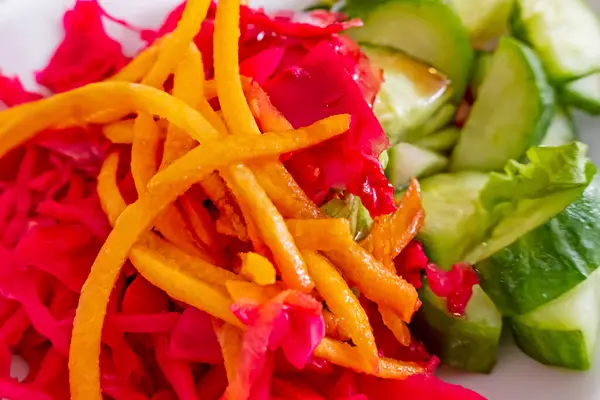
x: 450, y: 201
x: 563, y: 332
x: 484, y: 19
x: 468, y: 343
x: 562, y: 129
x: 565, y: 33
x: 512, y: 113
x: 483, y: 60
x: 584, y: 94
x: 411, y: 92
x: 407, y: 161
x: 429, y: 30
x: 548, y: 261
x: 441, y: 141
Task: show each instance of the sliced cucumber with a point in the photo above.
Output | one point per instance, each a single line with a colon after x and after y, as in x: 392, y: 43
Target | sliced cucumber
x: 563, y: 332
x: 429, y: 30
x: 484, y: 19
x: 584, y: 94
x: 468, y: 343
x: 411, y: 94
x: 450, y: 201
x: 562, y: 129
x: 483, y: 60
x: 441, y: 141
x: 439, y: 120
x: 407, y: 161
x: 548, y: 261
x: 565, y: 33
x: 512, y: 113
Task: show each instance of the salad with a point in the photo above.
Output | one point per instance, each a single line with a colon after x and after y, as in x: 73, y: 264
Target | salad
x: 317, y: 205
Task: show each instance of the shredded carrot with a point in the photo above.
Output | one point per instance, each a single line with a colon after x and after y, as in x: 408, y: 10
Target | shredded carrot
x: 257, y: 268
x: 189, y: 264
x: 396, y: 325
x: 108, y: 191
x: 144, y: 164
x: 180, y: 286
x: 319, y: 234
x: 120, y: 132
x: 342, y: 302
x: 174, y: 46
x: 374, y: 280
x: 200, y: 223
x: 392, y: 233
x: 333, y: 328
x: 137, y: 219
x: 250, y: 292
x: 345, y: 355
x: 83, y: 104
x: 187, y: 85
x: 274, y: 232
x: 138, y: 68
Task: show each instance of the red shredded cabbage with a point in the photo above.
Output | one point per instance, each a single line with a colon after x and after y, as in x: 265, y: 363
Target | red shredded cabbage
x: 13, y: 93
x: 193, y: 339
x: 86, y: 55
x: 455, y: 285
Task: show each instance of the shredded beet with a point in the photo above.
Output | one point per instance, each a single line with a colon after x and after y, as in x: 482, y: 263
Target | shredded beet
x: 87, y: 54
x: 455, y: 285
x: 13, y: 93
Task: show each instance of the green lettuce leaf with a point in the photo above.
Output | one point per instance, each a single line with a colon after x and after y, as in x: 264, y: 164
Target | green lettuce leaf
x: 525, y: 196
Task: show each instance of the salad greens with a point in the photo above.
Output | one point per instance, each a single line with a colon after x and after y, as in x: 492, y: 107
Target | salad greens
x: 477, y: 101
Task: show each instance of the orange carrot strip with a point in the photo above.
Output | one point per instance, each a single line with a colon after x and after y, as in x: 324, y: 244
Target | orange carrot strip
x: 319, y: 234
x: 110, y: 196
x: 241, y: 291
x: 144, y: 164
x: 200, y: 223
x: 257, y: 268
x: 165, y: 275
x: 342, y: 302
x: 231, y: 221
x: 346, y: 356
x: 138, y: 67
x: 188, y: 263
x: 396, y: 325
x: 333, y: 327
x: 187, y: 86
x: 135, y: 220
x: 120, y: 132
x: 82, y: 104
x: 376, y: 282
x: 174, y: 46
x: 146, y: 142
x: 274, y: 232
x: 392, y: 233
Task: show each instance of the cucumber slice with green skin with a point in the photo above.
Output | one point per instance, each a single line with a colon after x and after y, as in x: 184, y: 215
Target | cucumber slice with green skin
x: 483, y: 60
x: 351, y: 208
x: 411, y: 92
x: 468, y: 343
x: 429, y: 30
x: 511, y: 114
x: 450, y: 201
x: 564, y: 332
x: 407, y: 161
x: 484, y: 19
x: 562, y: 129
x: 546, y: 262
x: 584, y: 94
x: 441, y: 141
x: 565, y: 33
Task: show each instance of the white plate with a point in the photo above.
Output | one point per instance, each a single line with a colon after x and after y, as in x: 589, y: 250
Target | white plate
x: 31, y: 29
